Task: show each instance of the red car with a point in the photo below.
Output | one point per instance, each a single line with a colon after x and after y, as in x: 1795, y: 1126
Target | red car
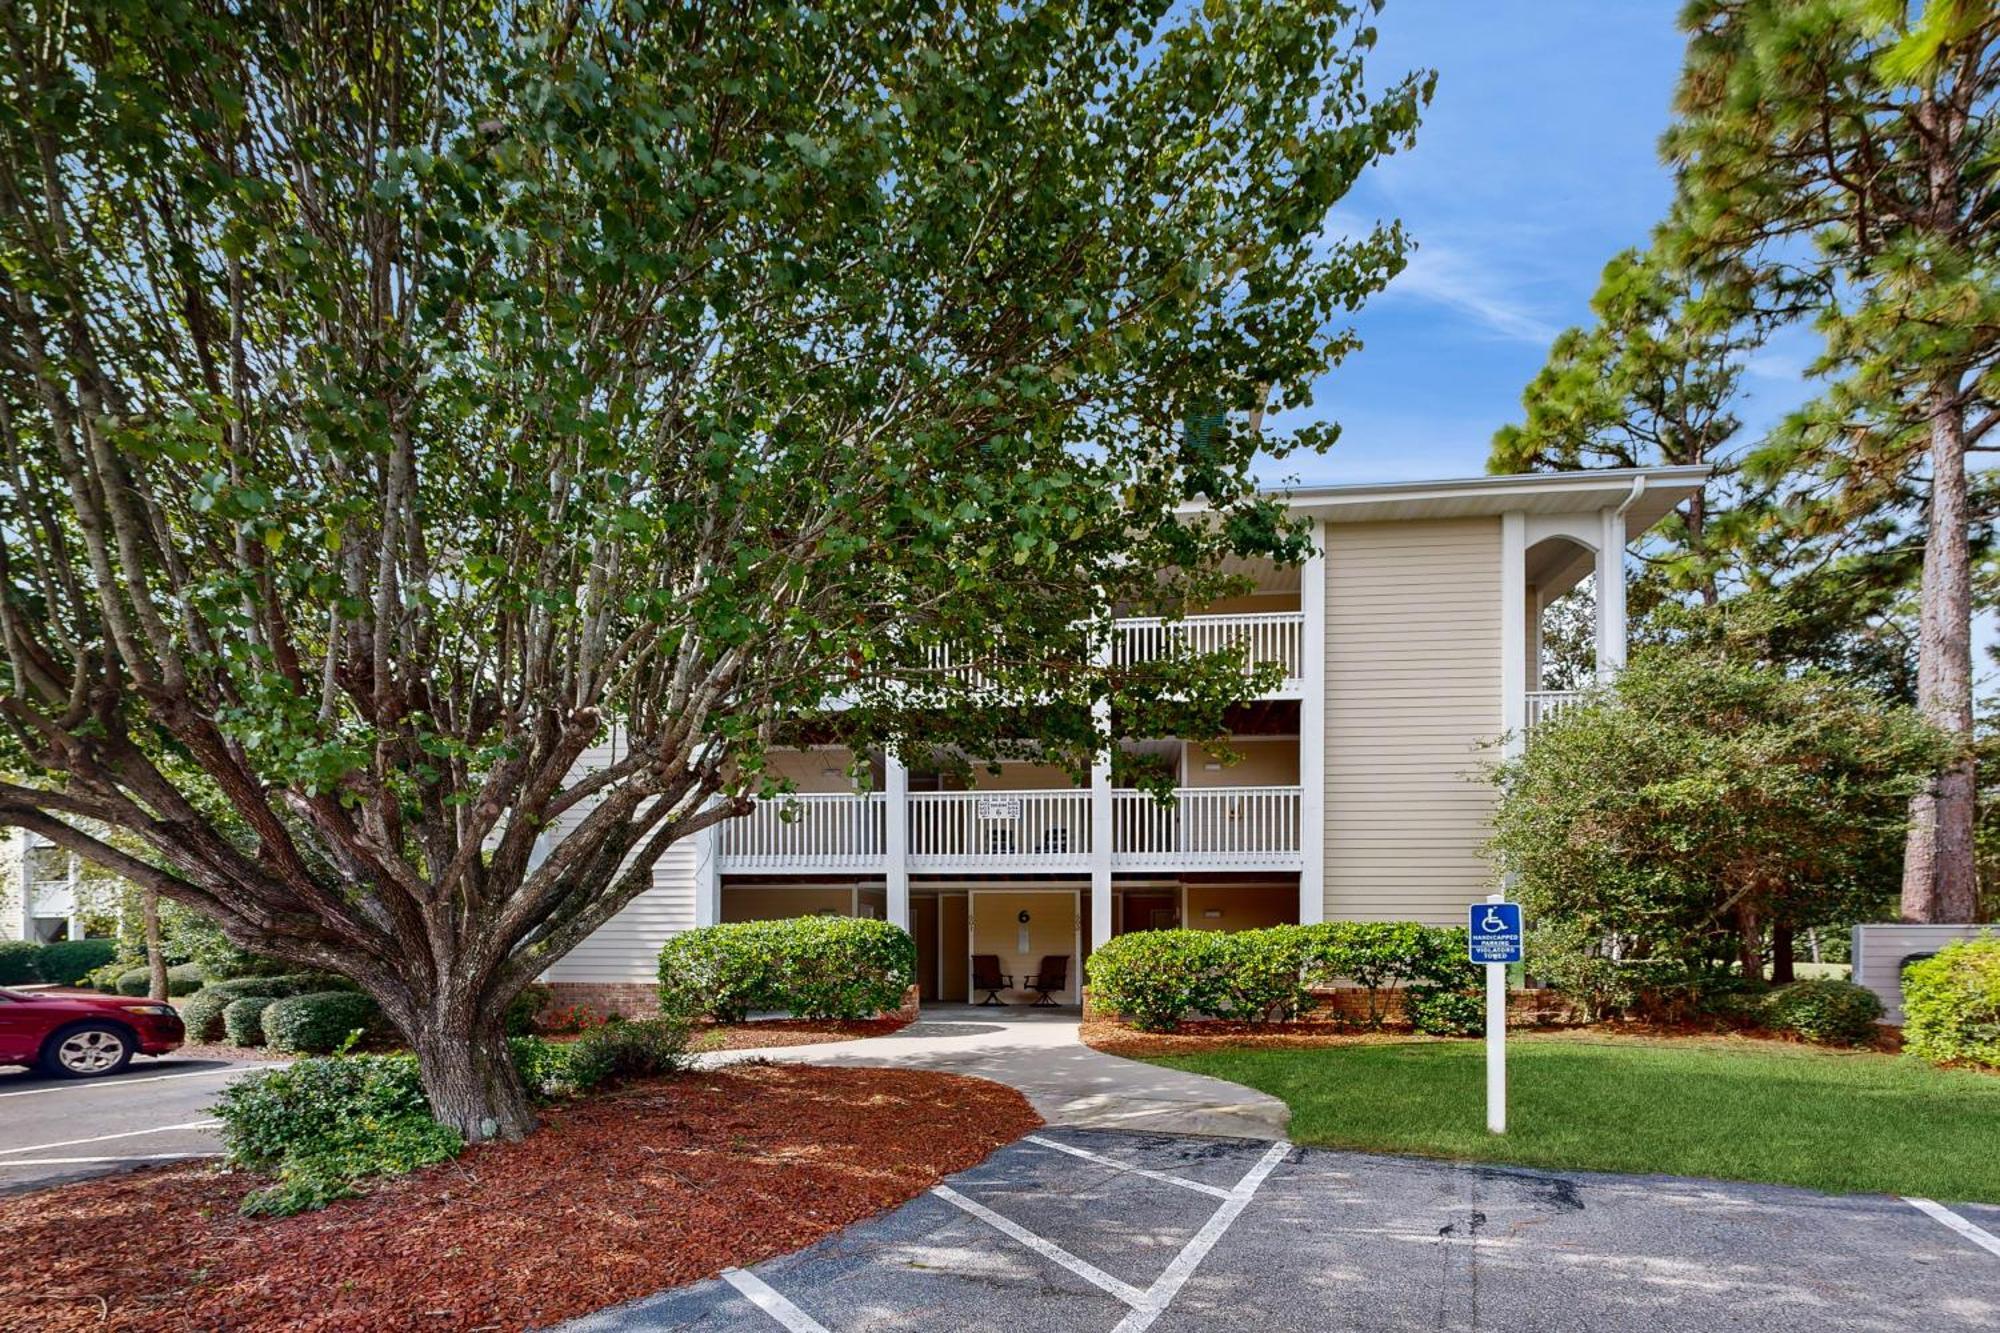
x: 83, y: 1036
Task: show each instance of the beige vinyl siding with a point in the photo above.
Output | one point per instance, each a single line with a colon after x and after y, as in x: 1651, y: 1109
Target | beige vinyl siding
x: 1412, y: 692
x: 627, y: 947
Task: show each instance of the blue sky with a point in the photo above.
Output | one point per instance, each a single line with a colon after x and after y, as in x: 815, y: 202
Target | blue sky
x: 1536, y: 162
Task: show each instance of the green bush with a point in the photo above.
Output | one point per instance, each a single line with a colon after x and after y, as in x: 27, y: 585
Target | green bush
x: 324, y: 1126
x: 616, y: 1052
x: 318, y: 1023
x: 185, y: 979
x: 1260, y: 974
x: 542, y: 1064
x: 1829, y: 1011
x: 522, y: 1009
x: 811, y: 967
x: 1571, y: 960
x: 243, y: 1020
x: 1378, y: 956
x: 202, y: 1014
x: 1157, y: 978
x: 1951, y: 1004
x: 67, y: 962
x: 18, y: 960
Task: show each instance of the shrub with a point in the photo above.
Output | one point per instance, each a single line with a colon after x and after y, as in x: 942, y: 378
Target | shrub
x: 1440, y: 996
x: 524, y: 1007
x: 185, y: 979
x: 1444, y: 1013
x: 615, y: 1052
x: 67, y: 962
x: 1571, y: 960
x: 1260, y: 974
x: 1951, y: 1004
x: 243, y: 1020
x: 1378, y: 956
x: 1829, y: 1011
x: 318, y: 1023
x: 17, y: 962
x: 570, y: 1019
x: 202, y: 1015
x: 1156, y: 978
x: 542, y: 1064
x: 812, y: 967
x: 323, y: 1126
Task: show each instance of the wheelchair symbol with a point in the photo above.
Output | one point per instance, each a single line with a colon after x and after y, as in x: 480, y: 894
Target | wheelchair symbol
x: 1493, y: 923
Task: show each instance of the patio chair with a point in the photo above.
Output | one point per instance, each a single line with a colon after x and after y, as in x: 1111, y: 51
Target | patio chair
x: 1052, y: 976
x: 987, y: 976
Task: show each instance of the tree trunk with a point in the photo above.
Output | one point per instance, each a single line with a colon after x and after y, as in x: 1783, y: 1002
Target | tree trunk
x: 1749, y: 941
x: 1783, y: 973
x: 1939, y: 879
x: 156, y: 956
x: 468, y: 1074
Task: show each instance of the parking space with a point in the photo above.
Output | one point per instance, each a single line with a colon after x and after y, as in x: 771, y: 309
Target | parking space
x: 57, y: 1129
x: 1073, y: 1230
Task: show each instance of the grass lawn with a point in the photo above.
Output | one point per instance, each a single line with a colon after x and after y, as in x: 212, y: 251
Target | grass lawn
x: 1737, y: 1110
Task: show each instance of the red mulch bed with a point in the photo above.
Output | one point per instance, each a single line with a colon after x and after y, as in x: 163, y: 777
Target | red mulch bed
x: 615, y: 1197
x: 1114, y: 1038
x: 768, y: 1032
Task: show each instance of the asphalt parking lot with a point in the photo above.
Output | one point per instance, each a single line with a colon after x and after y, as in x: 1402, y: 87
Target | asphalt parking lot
x: 1071, y: 1230
x: 58, y: 1129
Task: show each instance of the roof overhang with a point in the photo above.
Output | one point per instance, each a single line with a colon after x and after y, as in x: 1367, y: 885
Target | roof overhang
x: 1646, y: 495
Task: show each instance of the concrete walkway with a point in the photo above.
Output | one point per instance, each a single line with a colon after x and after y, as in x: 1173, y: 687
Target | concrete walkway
x: 1038, y: 1052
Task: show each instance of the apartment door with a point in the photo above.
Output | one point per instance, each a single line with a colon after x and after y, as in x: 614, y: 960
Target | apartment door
x: 924, y: 929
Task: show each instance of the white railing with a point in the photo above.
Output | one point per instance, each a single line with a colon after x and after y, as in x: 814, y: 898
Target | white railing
x: 1545, y: 704
x: 808, y: 833
x: 1012, y: 830
x: 1265, y: 636
x: 1230, y: 828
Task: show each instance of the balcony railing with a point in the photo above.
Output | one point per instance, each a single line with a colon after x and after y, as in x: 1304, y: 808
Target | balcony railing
x: 988, y: 830
x: 1265, y: 636
x: 1221, y: 828
x: 1213, y: 828
x: 808, y: 833
x: 1545, y: 704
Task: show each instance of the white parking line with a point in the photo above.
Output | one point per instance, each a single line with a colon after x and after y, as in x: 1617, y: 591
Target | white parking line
x: 1978, y: 1235
x: 1215, y: 1190
x: 1161, y: 1294
x: 771, y: 1303
x: 98, y: 1085
x: 79, y: 1161
x: 102, y: 1138
x: 1049, y: 1250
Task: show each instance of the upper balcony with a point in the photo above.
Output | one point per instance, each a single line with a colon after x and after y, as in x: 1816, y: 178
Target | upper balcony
x: 1264, y: 636
x: 1200, y: 828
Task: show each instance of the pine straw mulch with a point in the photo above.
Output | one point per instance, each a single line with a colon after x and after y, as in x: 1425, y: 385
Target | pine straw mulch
x: 762, y: 1033
x: 614, y: 1197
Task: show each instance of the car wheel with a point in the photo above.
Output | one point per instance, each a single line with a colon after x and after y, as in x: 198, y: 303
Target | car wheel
x: 88, y: 1050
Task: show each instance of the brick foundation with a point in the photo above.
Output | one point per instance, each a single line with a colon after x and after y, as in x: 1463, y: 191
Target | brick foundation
x: 629, y: 999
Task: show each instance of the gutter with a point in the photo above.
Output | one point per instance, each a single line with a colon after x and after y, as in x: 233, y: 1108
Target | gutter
x: 1632, y: 498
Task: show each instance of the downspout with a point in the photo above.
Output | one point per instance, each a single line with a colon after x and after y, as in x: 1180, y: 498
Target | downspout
x: 1638, y: 489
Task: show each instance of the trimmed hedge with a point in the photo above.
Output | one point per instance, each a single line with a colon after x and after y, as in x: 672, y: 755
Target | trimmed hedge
x: 1157, y: 978
x: 202, y: 1014
x: 64, y: 963
x: 243, y: 1020
x: 1951, y: 1004
x: 185, y: 979
x: 318, y: 1023
x: 17, y: 962
x: 811, y: 967
x: 1827, y: 1010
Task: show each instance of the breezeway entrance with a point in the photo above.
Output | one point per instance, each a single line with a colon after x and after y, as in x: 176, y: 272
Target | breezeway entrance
x: 1023, y: 927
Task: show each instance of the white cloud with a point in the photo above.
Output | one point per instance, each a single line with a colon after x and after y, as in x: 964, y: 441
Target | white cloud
x: 1473, y: 287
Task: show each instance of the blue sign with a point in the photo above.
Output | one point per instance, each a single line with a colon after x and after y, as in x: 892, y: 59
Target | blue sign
x: 1495, y: 933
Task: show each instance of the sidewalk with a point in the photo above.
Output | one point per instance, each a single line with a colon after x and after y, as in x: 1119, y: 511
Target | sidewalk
x: 1039, y: 1053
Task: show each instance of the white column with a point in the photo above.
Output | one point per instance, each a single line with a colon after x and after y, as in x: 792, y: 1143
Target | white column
x: 1513, y: 629
x: 1100, y: 827
x: 1312, y: 732
x: 708, y: 876
x: 896, y: 832
x: 1611, y: 596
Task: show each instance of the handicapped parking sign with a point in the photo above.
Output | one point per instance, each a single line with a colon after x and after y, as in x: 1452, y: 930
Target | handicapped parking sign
x: 1494, y: 933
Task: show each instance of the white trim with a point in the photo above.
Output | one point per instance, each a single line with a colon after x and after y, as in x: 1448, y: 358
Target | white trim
x: 896, y: 838
x: 1611, y: 596
x: 753, y: 1289
x: 1312, y: 735
x: 1049, y: 1250
x: 1513, y: 631
x: 1937, y: 1212
x: 1100, y: 841
x: 708, y: 876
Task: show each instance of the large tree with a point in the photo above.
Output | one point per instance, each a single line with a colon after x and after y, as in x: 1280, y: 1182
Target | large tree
x: 402, y: 399
x: 1837, y: 157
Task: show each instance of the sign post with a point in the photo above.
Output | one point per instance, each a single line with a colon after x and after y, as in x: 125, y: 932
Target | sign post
x: 1493, y: 938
